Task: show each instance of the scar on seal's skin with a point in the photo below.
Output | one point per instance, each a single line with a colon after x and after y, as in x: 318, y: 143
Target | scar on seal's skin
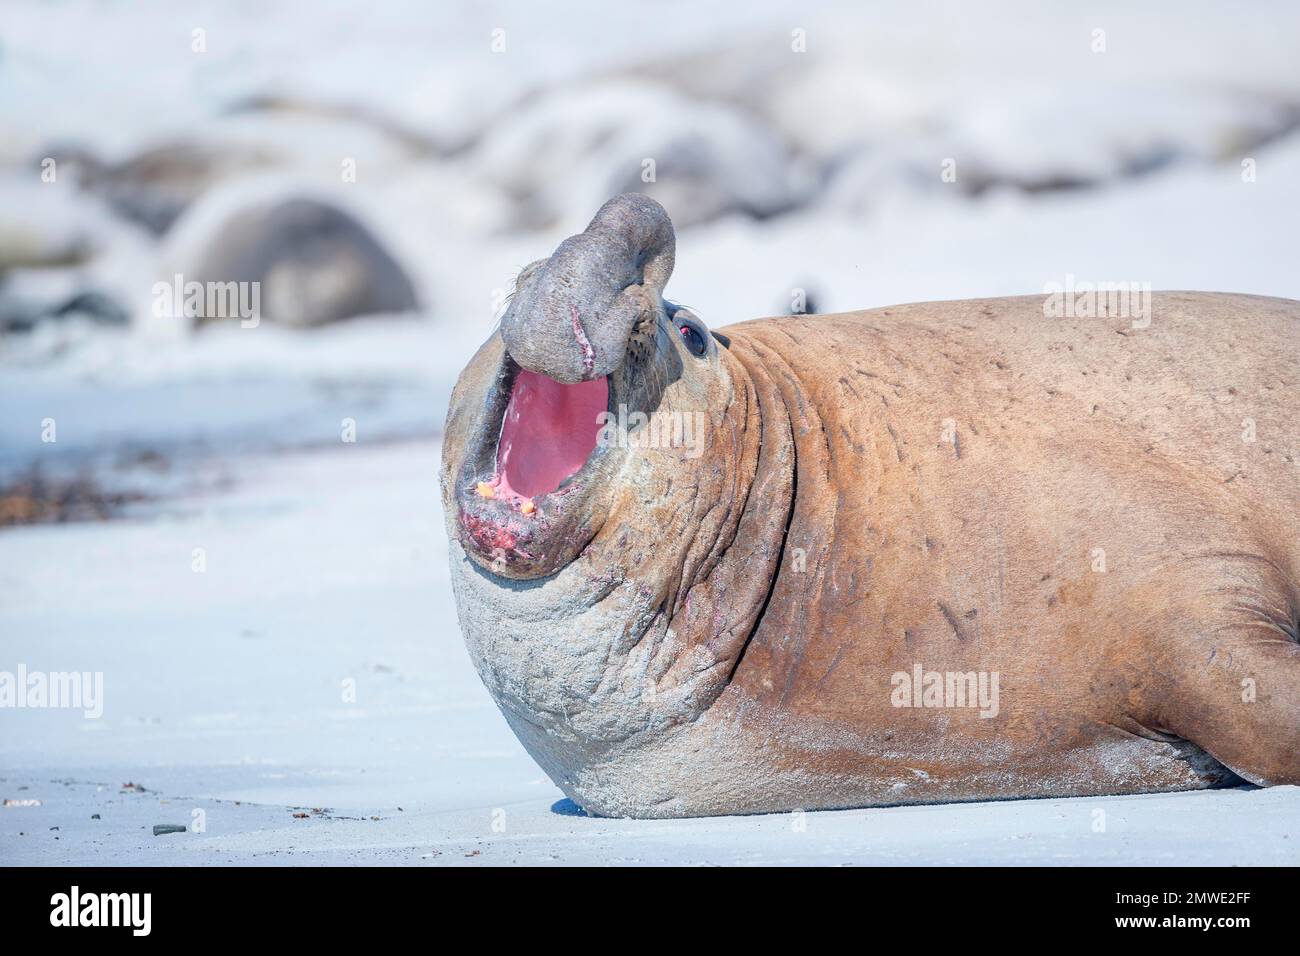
x: 588, y: 354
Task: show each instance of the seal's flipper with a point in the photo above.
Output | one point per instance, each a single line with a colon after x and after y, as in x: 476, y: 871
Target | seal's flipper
x: 1240, y: 681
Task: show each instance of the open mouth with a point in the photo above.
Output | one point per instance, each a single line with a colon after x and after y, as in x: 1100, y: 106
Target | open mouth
x: 547, y: 434
x: 525, y: 493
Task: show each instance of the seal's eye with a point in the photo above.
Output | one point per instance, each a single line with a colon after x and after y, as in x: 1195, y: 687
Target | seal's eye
x: 695, y: 340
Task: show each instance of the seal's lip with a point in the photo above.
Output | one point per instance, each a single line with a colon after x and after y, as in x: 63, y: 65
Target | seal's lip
x: 510, y: 534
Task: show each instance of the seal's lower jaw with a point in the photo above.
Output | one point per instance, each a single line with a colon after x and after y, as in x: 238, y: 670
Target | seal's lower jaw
x: 524, y: 494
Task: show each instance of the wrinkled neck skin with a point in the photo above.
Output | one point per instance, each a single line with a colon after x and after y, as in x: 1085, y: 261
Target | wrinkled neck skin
x: 673, y: 554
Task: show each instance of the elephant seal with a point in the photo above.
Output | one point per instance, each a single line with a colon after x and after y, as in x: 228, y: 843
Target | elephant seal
x: 935, y: 552
x: 313, y: 262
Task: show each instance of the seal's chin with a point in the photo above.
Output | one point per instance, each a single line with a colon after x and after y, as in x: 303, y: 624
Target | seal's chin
x: 526, y: 490
x: 548, y: 433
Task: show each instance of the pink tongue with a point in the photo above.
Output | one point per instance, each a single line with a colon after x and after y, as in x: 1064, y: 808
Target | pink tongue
x: 550, y: 430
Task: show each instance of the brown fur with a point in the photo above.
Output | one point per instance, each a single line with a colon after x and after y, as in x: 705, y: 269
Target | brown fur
x: 976, y: 550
